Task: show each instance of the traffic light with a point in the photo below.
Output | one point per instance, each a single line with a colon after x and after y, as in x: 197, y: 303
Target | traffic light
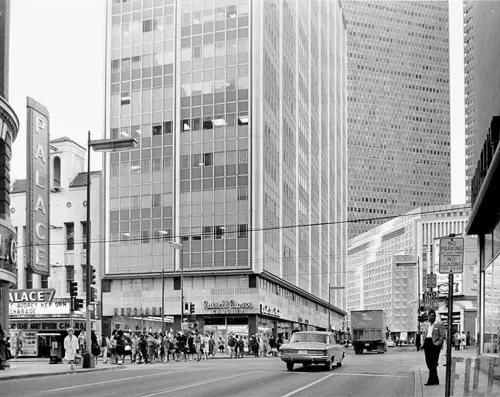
x: 422, y: 318
x: 93, y: 276
x: 192, y: 308
x: 73, y: 288
x: 76, y: 304
x: 93, y: 294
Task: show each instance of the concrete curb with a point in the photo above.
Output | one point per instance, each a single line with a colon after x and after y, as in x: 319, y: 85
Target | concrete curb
x: 418, y: 392
x: 65, y: 372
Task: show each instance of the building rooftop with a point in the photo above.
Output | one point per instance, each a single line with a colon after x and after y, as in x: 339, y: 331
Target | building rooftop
x: 65, y: 139
x: 81, y: 179
x: 19, y: 186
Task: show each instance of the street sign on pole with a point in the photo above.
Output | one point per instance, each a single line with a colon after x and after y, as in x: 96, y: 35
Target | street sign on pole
x: 451, y: 255
x: 431, y: 299
x: 431, y: 280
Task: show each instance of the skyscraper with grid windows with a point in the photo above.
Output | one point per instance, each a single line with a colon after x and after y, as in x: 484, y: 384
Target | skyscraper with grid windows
x: 398, y: 108
x: 238, y: 107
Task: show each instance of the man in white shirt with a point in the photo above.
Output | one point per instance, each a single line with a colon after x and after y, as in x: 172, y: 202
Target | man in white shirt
x: 434, y: 338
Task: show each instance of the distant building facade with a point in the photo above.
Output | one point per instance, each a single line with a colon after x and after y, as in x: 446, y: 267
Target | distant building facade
x: 9, y: 127
x: 68, y: 228
x: 481, y: 33
x: 385, y: 264
x: 482, y: 96
x: 398, y: 108
x: 239, y: 112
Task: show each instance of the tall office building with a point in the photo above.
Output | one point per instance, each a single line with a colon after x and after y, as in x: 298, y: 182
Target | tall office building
x: 481, y: 32
x: 398, y: 108
x: 9, y: 126
x: 238, y: 108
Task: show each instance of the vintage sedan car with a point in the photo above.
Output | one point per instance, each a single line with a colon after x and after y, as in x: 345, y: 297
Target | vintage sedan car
x: 312, y: 347
x: 390, y: 343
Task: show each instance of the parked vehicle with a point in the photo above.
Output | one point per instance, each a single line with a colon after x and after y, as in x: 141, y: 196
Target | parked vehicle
x: 312, y: 347
x: 368, y: 331
x: 390, y: 343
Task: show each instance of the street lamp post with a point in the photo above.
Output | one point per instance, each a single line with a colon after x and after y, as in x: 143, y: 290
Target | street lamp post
x: 101, y: 145
x: 329, y: 304
x: 163, y: 233
x: 179, y: 246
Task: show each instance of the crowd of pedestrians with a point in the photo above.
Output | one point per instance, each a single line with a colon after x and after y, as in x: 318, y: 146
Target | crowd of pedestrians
x: 176, y: 346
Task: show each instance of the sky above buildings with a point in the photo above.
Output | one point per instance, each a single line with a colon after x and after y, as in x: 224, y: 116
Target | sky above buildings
x: 57, y: 58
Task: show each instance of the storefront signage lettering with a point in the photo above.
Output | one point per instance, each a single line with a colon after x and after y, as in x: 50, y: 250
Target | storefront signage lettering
x: 38, y: 189
x: 270, y: 311
x: 55, y: 308
x: 227, y: 305
x: 134, y: 311
x: 46, y: 326
x: 31, y: 295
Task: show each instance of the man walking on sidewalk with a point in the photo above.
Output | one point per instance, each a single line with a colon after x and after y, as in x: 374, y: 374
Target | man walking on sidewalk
x: 434, y: 338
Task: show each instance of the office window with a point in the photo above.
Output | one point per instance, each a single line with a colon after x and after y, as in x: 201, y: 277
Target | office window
x: 242, y: 230
x: 70, y: 276
x: 242, y: 193
x: 70, y: 236
x: 45, y: 281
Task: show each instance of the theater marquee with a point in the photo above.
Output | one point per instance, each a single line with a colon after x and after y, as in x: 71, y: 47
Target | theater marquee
x: 38, y: 188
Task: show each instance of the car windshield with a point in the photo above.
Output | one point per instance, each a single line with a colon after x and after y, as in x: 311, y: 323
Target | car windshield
x: 318, y: 338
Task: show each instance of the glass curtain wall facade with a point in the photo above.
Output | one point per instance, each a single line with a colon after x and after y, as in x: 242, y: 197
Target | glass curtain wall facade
x: 398, y: 108
x: 240, y: 138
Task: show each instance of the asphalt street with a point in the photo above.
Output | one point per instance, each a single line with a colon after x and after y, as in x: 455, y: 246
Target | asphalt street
x: 389, y: 374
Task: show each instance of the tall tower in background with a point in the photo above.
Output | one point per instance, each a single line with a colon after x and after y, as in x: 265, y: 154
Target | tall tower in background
x: 398, y: 108
x: 238, y: 108
x: 9, y: 126
x: 481, y: 33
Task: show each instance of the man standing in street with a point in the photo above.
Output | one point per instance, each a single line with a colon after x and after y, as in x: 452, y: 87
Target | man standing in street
x: 434, y: 338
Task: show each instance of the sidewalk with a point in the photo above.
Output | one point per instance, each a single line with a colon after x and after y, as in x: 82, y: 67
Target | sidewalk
x: 477, y: 382
x: 36, y: 367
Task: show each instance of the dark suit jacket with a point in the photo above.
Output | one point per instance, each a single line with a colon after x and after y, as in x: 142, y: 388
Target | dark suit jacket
x: 438, y: 333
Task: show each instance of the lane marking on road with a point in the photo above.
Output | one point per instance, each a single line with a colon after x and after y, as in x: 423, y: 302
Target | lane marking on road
x: 114, y: 381
x: 337, y: 374
x: 307, y: 386
x: 198, y: 384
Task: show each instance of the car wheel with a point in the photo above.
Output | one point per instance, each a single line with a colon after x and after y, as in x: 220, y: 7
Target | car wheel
x: 328, y: 365
x: 306, y: 365
x: 289, y: 366
x: 339, y: 364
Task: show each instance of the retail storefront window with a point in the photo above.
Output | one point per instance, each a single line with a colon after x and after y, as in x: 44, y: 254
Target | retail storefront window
x: 492, y: 308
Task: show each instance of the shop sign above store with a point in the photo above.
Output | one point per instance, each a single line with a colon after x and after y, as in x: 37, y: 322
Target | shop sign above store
x: 270, y: 311
x: 228, y: 306
x: 28, y: 309
x: 31, y: 295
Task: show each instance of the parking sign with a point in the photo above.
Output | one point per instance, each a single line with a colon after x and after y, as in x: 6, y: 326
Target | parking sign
x: 451, y: 255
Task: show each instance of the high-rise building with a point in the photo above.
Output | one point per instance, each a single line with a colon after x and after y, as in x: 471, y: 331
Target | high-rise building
x: 9, y: 126
x: 238, y: 108
x: 481, y: 32
x: 482, y: 107
x: 398, y: 108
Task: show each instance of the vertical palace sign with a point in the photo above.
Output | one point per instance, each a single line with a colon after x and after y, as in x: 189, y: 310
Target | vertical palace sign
x: 38, y: 188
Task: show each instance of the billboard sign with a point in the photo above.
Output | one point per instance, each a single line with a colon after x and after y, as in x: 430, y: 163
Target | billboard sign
x: 38, y: 187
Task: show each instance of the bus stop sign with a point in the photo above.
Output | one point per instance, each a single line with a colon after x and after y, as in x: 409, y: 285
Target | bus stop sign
x: 451, y: 255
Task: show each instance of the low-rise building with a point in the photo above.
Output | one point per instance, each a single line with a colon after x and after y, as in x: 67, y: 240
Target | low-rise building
x: 44, y: 314
x: 387, y: 269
